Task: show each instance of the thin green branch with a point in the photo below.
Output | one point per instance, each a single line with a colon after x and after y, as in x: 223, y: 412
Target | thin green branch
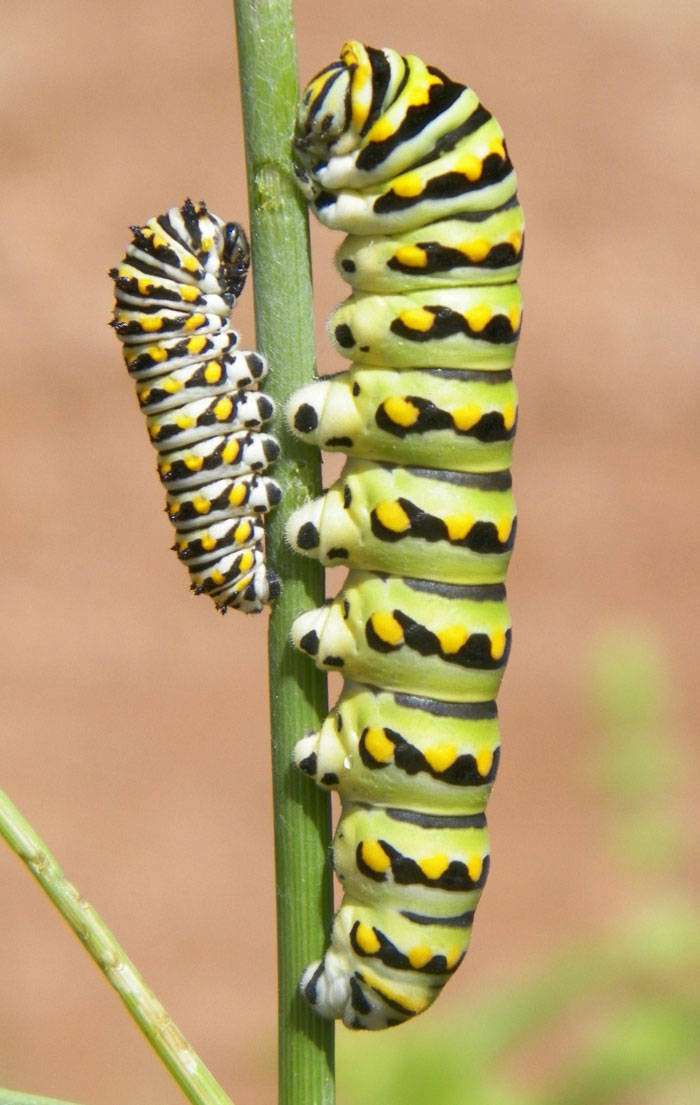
x: 284, y: 322
x: 14, y: 1097
x: 190, y: 1073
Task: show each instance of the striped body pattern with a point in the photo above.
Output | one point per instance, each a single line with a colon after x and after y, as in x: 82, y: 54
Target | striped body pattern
x: 175, y: 289
x: 415, y: 170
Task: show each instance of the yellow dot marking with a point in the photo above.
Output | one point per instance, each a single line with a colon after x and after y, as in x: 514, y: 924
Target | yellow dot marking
x: 208, y: 542
x: 408, y: 185
x: 171, y: 386
x: 151, y: 323
x: 434, y: 867
x: 165, y: 468
x: 143, y: 395
x: 419, y: 956
x: 212, y: 373
x: 217, y: 577
x: 412, y: 256
x: 514, y: 317
x: 374, y: 856
x: 458, y: 526
x: 452, y: 639
x: 475, y: 866
x: 190, y: 295
x: 386, y: 627
x: 496, y: 146
x: 476, y: 250
x: 392, y: 516
x: 246, y: 561
x: 378, y: 744
x: 516, y: 240
x: 452, y: 958
x: 201, y: 505
x: 223, y: 408
x: 230, y: 452
x: 503, y: 528
x: 366, y: 938
x: 190, y: 263
x: 498, y: 644
x: 193, y: 462
x: 417, y: 318
x: 441, y: 756
x: 401, y: 411
x: 184, y: 421
x: 478, y: 316
x: 156, y: 353
x: 159, y: 241
x: 206, y: 244
x: 242, y: 532
x: 154, y: 432
x: 509, y: 416
x: 237, y: 494
x: 195, y: 321
x: 381, y: 130
x: 174, y: 506
x: 466, y: 417
x: 484, y: 761
x: 144, y: 285
x: 470, y: 165
x: 242, y: 584
x: 196, y: 344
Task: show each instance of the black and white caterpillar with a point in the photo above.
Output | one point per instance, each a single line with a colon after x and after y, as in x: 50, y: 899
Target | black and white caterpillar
x: 175, y: 290
x: 415, y: 169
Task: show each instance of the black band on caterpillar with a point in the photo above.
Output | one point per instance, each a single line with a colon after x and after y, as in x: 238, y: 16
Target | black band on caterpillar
x: 175, y: 290
x: 415, y: 169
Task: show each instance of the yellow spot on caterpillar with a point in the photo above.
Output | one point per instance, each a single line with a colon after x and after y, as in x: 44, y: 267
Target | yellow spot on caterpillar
x: 401, y: 411
x: 514, y: 317
x: 196, y: 344
x: 498, y: 644
x: 246, y: 561
x: 193, y: 462
x: 223, y: 408
x: 144, y: 285
x: 206, y: 244
x: 208, y: 542
x: 242, y: 533
x: 184, y: 421
x: 466, y: 417
x: 143, y: 395
x: 201, y: 505
x: 452, y: 639
x: 496, y: 146
x: 366, y: 939
x: 154, y: 432
x: 174, y: 507
x: 417, y: 318
x: 412, y: 256
x: 230, y: 452
x: 217, y: 577
x: 195, y: 321
x: 484, y: 761
x: 190, y: 263
x: 151, y: 323
x: 458, y: 526
x: 164, y: 468
x: 503, y: 528
x: 378, y: 744
x: 212, y: 373
x: 381, y: 130
x: 452, y: 958
x: 441, y: 756
x: 475, y: 866
x: 159, y: 241
x: 237, y: 494
x: 408, y: 185
x: 374, y: 856
x: 411, y: 1003
x: 419, y: 956
x: 171, y: 386
x: 476, y: 250
x: 509, y: 415
x: 516, y: 240
x: 478, y: 316
x: 434, y: 867
x: 189, y: 294
x: 156, y: 353
x: 392, y: 516
x: 470, y: 165
x: 386, y: 627
x: 242, y: 584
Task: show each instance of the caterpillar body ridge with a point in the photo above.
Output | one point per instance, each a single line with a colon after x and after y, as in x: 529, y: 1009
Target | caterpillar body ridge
x: 175, y: 289
x: 415, y: 170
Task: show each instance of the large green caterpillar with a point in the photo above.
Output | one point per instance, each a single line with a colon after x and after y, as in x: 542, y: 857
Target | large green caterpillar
x: 415, y: 169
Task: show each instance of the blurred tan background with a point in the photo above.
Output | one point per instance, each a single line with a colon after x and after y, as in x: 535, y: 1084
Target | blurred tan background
x: 135, y: 728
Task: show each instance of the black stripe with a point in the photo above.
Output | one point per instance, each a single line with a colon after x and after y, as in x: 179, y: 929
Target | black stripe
x: 461, y: 921
x: 472, y: 711
x: 481, y: 481
x: 477, y: 592
x: 437, y: 820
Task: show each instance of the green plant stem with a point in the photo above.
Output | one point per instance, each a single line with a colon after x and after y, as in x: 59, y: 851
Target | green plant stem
x: 284, y: 322
x: 14, y: 1097
x: 164, y: 1036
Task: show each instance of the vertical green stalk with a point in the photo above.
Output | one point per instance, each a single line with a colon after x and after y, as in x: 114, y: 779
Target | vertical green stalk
x: 284, y: 323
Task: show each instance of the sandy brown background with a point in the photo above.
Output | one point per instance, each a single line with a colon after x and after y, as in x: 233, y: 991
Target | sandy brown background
x: 135, y: 733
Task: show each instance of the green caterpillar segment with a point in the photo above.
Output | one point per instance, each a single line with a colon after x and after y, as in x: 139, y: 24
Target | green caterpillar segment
x: 457, y: 420
x: 404, y: 750
x: 175, y: 289
x: 450, y: 526
x: 412, y: 166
